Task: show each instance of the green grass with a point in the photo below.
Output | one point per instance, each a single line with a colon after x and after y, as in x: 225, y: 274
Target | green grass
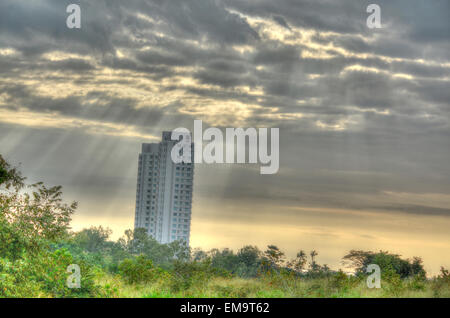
x: 280, y: 287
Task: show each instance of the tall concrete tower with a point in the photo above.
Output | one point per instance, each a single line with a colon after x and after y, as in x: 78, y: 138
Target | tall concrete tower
x: 164, y: 192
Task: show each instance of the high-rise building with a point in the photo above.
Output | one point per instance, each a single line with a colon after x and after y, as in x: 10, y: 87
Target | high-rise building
x: 164, y: 192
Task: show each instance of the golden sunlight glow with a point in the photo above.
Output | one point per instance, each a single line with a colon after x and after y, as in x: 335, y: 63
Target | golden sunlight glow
x: 53, y: 120
x: 8, y: 51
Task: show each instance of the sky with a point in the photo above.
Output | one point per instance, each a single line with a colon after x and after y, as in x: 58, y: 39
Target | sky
x: 363, y: 115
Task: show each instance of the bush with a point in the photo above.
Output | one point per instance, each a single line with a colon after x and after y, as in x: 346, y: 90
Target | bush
x: 441, y: 284
x: 139, y: 270
x: 281, y: 278
x: 13, y: 280
x: 45, y: 275
x: 393, y: 283
x: 343, y: 282
x: 185, y: 274
x: 417, y: 283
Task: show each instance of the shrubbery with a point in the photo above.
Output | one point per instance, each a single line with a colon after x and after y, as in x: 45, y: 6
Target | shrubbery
x: 140, y: 270
x: 441, y: 284
x: 186, y: 274
x: 30, y: 222
x: 45, y: 275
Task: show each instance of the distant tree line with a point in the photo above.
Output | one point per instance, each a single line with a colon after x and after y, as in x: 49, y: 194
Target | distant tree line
x: 247, y: 262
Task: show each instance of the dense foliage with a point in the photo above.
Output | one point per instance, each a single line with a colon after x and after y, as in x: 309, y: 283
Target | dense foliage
x: 387, y: 262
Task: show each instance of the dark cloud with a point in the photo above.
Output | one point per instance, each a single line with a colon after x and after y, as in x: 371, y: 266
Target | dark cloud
x: 415, y: 209
x: 322, y: 15
x: 281, y: 21
x: 360, y: 111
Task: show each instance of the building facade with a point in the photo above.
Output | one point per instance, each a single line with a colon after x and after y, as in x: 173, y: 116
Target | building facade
x: 164, y: 192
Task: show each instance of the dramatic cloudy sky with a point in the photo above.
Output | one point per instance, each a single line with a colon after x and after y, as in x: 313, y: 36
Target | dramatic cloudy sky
x: 363, y: 114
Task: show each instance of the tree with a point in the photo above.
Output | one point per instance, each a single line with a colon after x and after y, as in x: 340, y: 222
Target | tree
x: 179, y: 250
x: 39, y: 214
x: 313, y: 265
x: 198, y: 255
x: 138, y: 242
x: 250, y: 256
x: 10, y: 177
x: 248, y: 261
x: 313, y: 254
x: 298, y: 264
x: 223, y: 259
x: 94, y: 239
x: 359, y: 260
x: 29, y: 219
x: 274, y: 256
